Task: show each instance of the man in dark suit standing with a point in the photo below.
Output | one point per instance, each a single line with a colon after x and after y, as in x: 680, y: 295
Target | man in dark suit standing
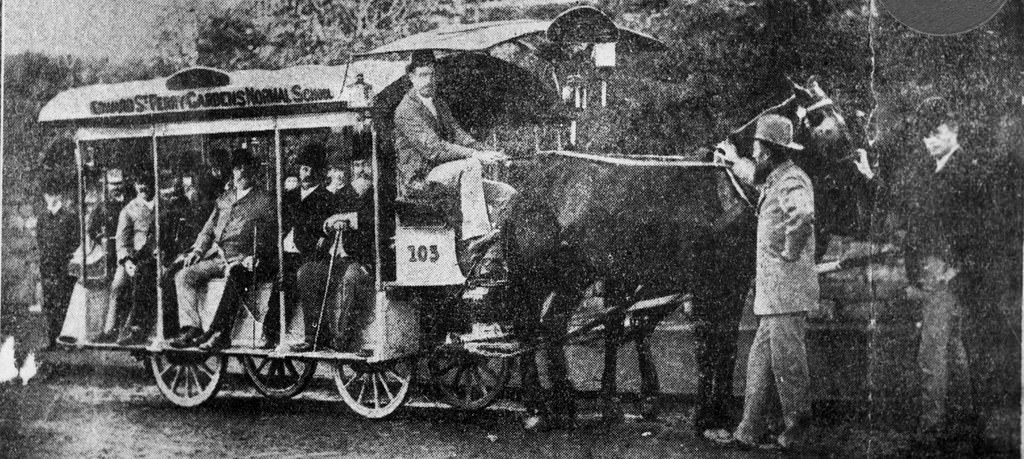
x: 785, y: 287
x: 945, y: 257
x: 57, y: 236
x: 435, y: 153
x: 239, y: 242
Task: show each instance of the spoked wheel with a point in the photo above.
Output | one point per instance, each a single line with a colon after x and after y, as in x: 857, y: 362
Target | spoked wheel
x: 374, y: 390
x: 468, y: 381
x: 187, y: 379
x: 278, y: 377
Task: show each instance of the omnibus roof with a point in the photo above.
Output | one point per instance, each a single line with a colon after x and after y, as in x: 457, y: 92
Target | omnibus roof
x: 585, y: 23
x: 206, y: 93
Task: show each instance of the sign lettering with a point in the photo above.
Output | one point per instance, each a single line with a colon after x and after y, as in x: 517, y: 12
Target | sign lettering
x: 192, y: 100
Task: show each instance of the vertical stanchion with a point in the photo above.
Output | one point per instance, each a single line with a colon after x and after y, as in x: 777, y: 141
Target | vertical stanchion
x: 80, y: 163
x: 156, y: 234
x: 378, y: 285
x: 282, y: 327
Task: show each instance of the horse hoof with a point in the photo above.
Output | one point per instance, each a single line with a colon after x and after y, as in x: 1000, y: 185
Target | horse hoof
x: 649, y: 410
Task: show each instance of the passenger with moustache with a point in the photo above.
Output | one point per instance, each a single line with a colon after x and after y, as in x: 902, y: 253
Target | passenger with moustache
x: 331, y: 296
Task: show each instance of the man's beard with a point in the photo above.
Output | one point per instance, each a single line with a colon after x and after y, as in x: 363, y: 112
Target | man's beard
x: 762, y: 169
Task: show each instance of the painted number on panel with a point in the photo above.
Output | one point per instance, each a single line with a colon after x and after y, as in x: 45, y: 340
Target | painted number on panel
x: 423, y: 253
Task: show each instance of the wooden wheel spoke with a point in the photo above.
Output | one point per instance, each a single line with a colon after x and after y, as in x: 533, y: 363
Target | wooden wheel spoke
x: 487, y: 371
x: 383, y: 382
x: 362, y: 388
x: 174, y: 381
x: 291, y: 368
x: 376, y: 396
x: 263, y: 364
x: 206, y: 370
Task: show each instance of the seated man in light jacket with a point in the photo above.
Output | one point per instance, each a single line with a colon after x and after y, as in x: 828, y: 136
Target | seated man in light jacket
x: 239, y: 242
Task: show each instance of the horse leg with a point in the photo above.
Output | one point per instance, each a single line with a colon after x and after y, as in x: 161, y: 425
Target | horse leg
x: 527, y: 329
x: 611, y: 412
x: 715, y: 333
x: 650, y: 388
x: 563, y: 395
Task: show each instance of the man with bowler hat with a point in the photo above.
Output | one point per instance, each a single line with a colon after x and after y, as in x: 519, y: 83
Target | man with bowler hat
x: 786, y: 286
x: 239, y: 242
x: 57, y: 235
x: 436, y: 155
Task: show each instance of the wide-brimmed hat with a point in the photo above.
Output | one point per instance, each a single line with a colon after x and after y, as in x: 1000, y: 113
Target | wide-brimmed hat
x: 312, y: 155
x: 777, y: 130
x: 243, y: 157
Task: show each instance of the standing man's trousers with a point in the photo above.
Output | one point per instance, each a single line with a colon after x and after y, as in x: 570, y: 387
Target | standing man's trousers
x: 776, y: 367
x: 475, y: 194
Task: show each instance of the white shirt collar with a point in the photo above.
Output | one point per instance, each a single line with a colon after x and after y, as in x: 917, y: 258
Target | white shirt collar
x: 239, y: 194
x: 58, y: 204
x: 151, y: 204
x: 941, y: 162
x: 306, y: 192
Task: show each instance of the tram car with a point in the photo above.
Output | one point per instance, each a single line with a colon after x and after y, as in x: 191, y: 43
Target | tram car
x: 504, y: 86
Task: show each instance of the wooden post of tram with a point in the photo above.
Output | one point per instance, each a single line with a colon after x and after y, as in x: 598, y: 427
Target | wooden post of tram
x: 378, y: 285
x: 278, y: 180
x: 80, y: 162
x: 156, y: 234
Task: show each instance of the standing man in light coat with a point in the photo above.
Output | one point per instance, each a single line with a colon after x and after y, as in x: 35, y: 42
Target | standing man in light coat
x: 786, y: 286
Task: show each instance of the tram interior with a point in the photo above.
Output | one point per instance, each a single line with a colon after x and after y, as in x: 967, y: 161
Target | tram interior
x: 193, y: 171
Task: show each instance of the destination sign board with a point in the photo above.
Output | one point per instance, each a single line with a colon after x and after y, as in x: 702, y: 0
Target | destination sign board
x: 195, y: 100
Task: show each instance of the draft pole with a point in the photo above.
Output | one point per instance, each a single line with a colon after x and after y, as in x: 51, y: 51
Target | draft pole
x: 156, y: 234
x: 282, y: 325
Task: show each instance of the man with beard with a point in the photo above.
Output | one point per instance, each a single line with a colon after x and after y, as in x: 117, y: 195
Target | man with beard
x: 786, y: 286
x: 336, y: 283
x: 238, y: 242
x: 437, y: 158
x: 303, y: 211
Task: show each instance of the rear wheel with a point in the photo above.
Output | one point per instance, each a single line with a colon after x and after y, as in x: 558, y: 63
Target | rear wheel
x: 468, y: 381
x: 374, y: 390
x: 187, y: 379
x: 278, y: 377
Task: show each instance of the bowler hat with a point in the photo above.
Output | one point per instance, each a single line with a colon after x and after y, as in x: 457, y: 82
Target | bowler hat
x: 243, y: 157
x: 421, y: 58
x: 777, y: 130
x: 313, y: 155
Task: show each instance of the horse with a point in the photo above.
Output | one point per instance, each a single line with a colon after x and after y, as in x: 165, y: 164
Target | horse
x: 647, y: 231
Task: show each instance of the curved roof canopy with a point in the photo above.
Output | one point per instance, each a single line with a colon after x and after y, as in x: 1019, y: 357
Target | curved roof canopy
x: 577, y: 25
x: 203, y: 91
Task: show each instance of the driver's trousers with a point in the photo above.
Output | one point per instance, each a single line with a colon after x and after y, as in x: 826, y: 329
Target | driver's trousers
x: 476, y: 194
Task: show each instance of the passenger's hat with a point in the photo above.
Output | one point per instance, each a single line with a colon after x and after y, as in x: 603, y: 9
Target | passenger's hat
x: 421, y: 58
x: 313, y: 155
x: 243, y: 157
x: 932, y: 112
x: 55, y: 183
x: 776, y: 130
x: 144, y: 174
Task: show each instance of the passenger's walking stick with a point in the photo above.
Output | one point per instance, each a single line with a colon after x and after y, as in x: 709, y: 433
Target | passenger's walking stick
x: 336, y: 248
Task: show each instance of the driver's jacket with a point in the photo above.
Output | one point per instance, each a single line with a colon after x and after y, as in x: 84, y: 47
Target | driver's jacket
x: 424, y: 141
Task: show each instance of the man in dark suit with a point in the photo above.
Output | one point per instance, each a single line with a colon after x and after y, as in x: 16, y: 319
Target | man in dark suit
x: 785, y: 287
x: 303, y: 211
x: 239, y: 242
x: 57, y: 236
x: 436, y: 155
x: 945, y: 257
x: 337, y: 281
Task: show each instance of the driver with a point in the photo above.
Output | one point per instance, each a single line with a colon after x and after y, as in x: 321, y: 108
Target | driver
x: 434, y: 152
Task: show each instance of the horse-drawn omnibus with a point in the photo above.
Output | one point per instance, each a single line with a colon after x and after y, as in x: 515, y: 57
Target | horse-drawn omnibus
x: 174, y: 127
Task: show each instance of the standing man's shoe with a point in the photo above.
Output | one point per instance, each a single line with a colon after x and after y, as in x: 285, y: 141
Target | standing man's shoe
x: 217, y: 341
x: 187, y: 337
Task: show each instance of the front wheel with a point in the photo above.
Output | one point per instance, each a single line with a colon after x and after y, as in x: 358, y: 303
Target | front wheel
x: 187, y: 379
x: 374, y: 390
x: 468, y: 381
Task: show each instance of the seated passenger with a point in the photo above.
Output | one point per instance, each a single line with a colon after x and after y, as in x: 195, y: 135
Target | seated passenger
x: 303, y: 210
x: 136, y: 255
x: 435, y: 152
x: 237, y: 242
x: 331, y: 294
